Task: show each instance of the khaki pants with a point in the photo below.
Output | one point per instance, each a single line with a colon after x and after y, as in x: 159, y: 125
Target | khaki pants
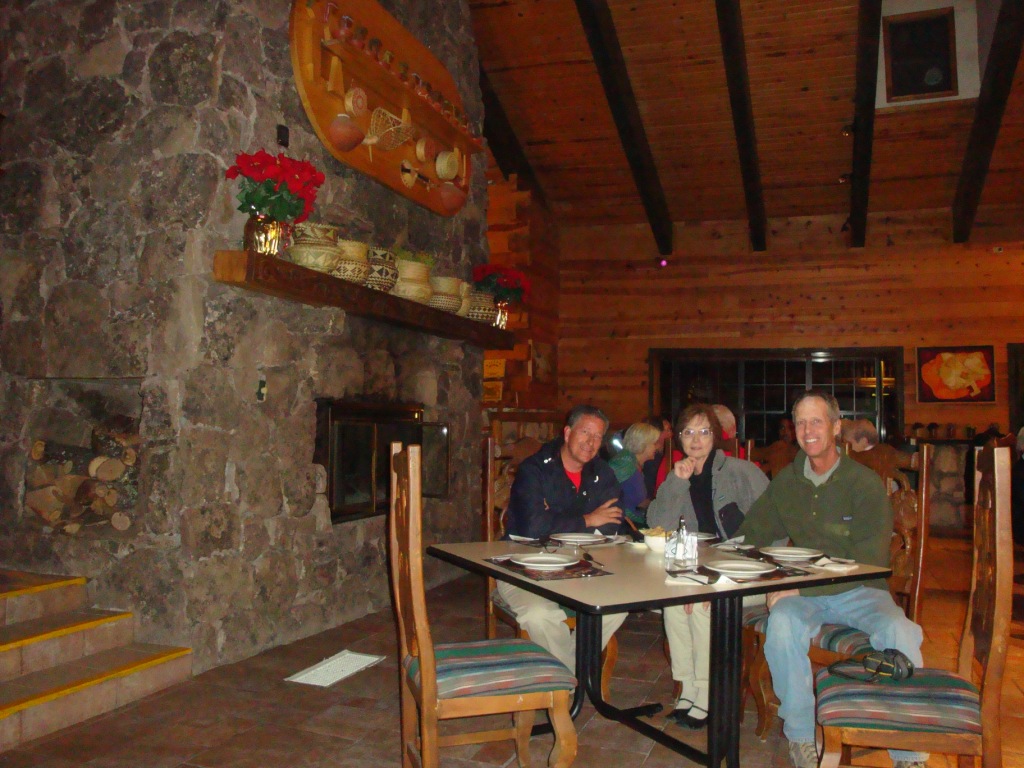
x: 545, y: 621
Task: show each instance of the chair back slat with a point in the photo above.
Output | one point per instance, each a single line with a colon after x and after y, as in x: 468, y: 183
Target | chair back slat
x: 731, y: 446
x: 987, y: 625
x: 406, y: 562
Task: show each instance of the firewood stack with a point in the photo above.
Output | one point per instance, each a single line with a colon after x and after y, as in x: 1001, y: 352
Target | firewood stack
x: 71, y: 487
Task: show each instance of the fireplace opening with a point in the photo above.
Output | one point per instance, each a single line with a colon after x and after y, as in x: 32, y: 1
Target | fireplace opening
x: 353, y: 443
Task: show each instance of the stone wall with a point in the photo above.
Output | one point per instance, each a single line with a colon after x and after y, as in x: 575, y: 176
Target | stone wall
x: 121, y: 118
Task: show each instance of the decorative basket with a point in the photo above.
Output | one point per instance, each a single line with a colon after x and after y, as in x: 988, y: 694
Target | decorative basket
x: 481, y: 307
x: 383, y: 274
x: 352, y: 250
x: 322, y: 258
x: 308, y: 233
x: 353, y: 270
x: 446, y: 302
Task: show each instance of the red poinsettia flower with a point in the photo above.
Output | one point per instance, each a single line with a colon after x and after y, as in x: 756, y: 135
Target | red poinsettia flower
x: 504, y: 283
x: 279, y: 187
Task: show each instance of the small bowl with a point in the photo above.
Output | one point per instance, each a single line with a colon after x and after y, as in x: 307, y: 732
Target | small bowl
x: 344, y: 134
x: 655, y: 543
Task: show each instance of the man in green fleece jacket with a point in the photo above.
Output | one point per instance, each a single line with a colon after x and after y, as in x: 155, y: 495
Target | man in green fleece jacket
x: 825, y: 500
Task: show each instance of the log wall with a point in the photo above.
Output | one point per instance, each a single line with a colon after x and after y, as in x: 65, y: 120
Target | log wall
x: 909, y: 287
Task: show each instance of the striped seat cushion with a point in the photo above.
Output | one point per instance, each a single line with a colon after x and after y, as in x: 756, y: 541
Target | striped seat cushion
x: 831, y: 637
x: 500, y: 602
x: 493, y: 667
x: 933, y: 700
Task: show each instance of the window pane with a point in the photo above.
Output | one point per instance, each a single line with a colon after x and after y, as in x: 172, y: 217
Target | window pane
x: 796, y: 373
x: 775, y: 399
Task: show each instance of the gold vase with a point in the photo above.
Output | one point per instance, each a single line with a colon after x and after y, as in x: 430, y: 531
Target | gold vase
x: 501, y: 319
x: 263, y: 234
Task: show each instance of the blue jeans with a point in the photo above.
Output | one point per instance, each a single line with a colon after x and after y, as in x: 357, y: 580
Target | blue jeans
x: 794, y: 621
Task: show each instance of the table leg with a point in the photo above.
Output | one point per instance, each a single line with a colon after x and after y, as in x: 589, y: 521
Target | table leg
x: 725, y: 685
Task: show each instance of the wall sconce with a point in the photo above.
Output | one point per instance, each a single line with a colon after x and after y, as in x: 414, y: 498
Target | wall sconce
x: 847, y: 131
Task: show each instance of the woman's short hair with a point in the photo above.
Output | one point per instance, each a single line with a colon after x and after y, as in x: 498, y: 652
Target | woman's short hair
x: 639, y: 436
x: 695, y: 410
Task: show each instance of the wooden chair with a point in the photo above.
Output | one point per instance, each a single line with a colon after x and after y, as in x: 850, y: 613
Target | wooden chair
x: 772, y: 458
x: 835, y: 642
x: 459, y: 680
x: 936, y: 710
x: 499, y: 472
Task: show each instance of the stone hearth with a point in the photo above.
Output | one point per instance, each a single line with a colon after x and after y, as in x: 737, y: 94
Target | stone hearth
x: 121, y: 119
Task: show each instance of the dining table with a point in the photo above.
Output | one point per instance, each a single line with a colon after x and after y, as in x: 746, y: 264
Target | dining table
x: 624, y: 576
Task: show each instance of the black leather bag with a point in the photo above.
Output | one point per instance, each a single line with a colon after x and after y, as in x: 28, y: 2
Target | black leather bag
x: 889, y: 664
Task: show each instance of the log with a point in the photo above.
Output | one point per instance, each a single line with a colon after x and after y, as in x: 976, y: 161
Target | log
x: 58, y: 453
x: 39, y: 475
x: 111, y: 441
x: 106, y: 468
x: 120, y: 521
x: 68, y: 486
x: 47, y: 503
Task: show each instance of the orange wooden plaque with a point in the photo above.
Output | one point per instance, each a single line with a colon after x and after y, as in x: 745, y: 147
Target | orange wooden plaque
x: 381, y: 102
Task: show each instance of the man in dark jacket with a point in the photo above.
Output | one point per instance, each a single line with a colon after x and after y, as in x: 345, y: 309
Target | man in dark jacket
x: 563, y: 488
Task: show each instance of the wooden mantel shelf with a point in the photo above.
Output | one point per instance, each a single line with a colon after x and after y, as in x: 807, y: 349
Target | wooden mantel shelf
x: 266, y: 274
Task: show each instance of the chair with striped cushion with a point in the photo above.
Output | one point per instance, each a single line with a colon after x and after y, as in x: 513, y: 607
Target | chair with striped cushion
x: 461, y: 680
x: 835, y: 642
x: 936, y: 710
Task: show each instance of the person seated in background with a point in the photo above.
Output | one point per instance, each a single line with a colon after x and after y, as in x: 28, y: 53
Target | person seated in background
x: 865, y: 448
x: 728, y: 421
x: 563, y: 488
x: 711, y: 492
x: 650, y: 468
x: 780, y: 454
x: 639, y: 444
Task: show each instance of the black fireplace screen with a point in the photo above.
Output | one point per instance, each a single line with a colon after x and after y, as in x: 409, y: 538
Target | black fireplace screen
x: 353, y: 442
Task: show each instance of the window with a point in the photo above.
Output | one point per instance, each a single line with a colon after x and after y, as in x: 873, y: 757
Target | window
x: 920, y: 55
x: 759, y: 385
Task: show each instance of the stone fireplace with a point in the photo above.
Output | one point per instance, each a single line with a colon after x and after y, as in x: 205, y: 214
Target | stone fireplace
x: 121, y: 119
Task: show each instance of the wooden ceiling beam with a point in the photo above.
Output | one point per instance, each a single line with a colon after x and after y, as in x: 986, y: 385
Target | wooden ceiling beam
x: 730, y: 30
x: 869, y: 25
x: 996, y: 85
x: 599, y: 27
x: 508, y: 152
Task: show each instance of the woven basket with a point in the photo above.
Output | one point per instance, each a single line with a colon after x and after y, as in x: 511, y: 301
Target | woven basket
x: 352, y: 250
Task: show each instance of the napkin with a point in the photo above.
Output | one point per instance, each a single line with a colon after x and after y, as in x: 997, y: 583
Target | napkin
x: 839, y: 566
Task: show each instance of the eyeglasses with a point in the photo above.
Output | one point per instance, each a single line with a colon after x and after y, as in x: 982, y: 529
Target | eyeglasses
x: 706, y: 432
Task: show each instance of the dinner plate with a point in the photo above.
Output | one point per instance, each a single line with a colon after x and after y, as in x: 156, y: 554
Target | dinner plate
x: 791, y: 553
x: 523, y: 539
x: 705, y: 536
x: 545, y: 561
x: 579, y: 538
x: 740, y: 567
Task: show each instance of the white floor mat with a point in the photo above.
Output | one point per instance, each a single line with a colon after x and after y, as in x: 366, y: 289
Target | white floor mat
x: 337, y: 667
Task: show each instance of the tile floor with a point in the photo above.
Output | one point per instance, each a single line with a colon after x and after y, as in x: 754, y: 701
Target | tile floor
x: 245, y: 716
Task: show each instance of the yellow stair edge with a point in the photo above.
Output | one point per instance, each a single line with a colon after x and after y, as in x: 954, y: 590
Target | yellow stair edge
x: 123, y: 670
x: 68, y: 629
x: 42, y: 586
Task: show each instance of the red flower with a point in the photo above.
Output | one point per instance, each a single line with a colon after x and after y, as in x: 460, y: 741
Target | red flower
x: 505, y: 283
x: 280, y: 187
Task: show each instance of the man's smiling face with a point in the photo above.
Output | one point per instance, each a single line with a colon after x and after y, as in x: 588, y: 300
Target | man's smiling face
x: 816, y: 433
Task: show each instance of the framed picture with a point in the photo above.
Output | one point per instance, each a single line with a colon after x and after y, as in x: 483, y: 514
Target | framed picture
x: 493, y: 391
x: 956, y: 375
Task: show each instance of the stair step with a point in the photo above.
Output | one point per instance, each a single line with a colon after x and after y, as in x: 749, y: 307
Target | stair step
x: 27, y: 596
x: 42, y: 702
x: 30, y: 646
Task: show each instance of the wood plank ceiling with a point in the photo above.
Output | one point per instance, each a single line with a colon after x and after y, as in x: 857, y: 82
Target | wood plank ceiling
x: 741, y: 103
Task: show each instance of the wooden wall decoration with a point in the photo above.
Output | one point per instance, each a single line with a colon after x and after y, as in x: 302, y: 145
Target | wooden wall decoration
x: 381, y: 102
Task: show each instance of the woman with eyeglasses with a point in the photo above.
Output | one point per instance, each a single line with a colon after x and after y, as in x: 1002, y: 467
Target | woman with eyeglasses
x: 711, y: 492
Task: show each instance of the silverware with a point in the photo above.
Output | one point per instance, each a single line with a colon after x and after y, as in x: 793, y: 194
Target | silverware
x: 590, y: 559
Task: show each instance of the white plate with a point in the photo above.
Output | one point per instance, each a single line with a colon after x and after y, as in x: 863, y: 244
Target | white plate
x: 740, y: 567
x: 727, y: 546
x: 579, y: 538
x: 705, y: 536
x: 792, y: 553
x: 545, y: 561
x: 527, y: 539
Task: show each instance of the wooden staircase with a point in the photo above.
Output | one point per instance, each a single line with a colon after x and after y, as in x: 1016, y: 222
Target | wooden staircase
x: 62, y: 662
